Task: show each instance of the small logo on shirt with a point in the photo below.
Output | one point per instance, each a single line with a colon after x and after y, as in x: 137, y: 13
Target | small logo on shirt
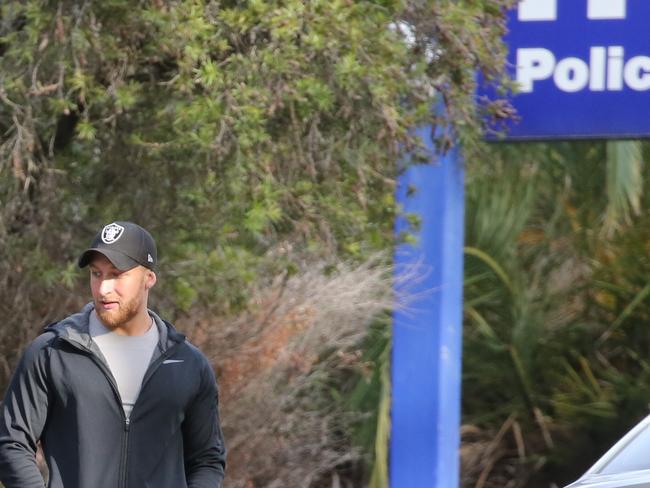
x: 172, y: 361
x: 112, y: 232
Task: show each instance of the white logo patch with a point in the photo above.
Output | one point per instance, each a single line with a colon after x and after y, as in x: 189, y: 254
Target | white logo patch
x: 111, y: 233
x: 173, y: 361
x: 149, y: 258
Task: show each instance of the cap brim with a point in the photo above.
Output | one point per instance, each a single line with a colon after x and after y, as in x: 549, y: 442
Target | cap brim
x: 119, y: 260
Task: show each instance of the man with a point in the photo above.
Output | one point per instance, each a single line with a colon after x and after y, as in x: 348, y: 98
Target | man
x: 117, y: 397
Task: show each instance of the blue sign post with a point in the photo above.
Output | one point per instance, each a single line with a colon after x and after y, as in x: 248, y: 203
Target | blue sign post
x: 583, y: 69
x: 427, y: 334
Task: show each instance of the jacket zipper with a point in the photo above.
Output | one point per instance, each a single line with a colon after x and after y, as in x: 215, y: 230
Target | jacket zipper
x: 125, y: 448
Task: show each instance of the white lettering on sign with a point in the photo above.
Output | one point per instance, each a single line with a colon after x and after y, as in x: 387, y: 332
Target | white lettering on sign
x: 571, y: 74
x: 606, y: 9
x: 605, y: 70
x: 546, y: 10
x: 533, y: 64
x: 637, y: 73
x: 536, y: 10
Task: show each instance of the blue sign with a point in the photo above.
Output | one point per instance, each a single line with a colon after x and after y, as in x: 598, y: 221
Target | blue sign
x: 582, y: 67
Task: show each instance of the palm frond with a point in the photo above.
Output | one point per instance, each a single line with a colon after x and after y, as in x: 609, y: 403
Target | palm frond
x: 492, y: 264
x: 624, y: 183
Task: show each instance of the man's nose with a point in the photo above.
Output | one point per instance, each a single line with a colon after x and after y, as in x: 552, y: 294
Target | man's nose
x: 105, y: 287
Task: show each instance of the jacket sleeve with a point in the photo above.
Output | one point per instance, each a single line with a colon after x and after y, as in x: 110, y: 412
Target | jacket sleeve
x: 22, y: 418
x: 204, y: 449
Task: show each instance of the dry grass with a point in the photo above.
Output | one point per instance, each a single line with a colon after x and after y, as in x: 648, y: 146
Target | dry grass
x: 275, y: 364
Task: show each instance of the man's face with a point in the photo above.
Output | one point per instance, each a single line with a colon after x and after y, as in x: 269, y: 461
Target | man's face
x: 118, y: 295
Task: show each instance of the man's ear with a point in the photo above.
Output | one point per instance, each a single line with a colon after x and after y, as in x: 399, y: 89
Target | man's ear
x: 150, y: 279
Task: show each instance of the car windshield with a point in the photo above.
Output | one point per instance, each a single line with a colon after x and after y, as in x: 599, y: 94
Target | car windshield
x: 633, y: 456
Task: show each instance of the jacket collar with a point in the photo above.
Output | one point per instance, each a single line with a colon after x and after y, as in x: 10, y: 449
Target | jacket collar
x: 75, y: 329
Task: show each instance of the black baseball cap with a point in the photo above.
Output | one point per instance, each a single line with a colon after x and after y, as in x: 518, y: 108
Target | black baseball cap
x: 124, y: 244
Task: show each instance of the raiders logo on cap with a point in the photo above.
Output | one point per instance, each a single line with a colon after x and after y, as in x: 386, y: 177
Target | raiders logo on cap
x: 111, y: 233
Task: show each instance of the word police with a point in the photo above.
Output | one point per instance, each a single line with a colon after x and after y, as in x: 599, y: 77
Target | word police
x: 606, y: 70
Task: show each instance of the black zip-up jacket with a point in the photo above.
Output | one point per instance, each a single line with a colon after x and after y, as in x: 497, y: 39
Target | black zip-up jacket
x: 64, y: 395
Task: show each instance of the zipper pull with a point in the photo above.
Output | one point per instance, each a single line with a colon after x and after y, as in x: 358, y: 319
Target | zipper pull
x: 127, y: 424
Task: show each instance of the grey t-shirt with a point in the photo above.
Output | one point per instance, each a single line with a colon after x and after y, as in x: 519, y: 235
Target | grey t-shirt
x: 127, y: 356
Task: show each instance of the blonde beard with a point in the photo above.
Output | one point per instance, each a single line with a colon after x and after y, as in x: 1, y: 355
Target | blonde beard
x: 125, y: 313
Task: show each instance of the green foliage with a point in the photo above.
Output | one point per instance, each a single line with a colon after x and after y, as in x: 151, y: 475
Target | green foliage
x: 228, y: 129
